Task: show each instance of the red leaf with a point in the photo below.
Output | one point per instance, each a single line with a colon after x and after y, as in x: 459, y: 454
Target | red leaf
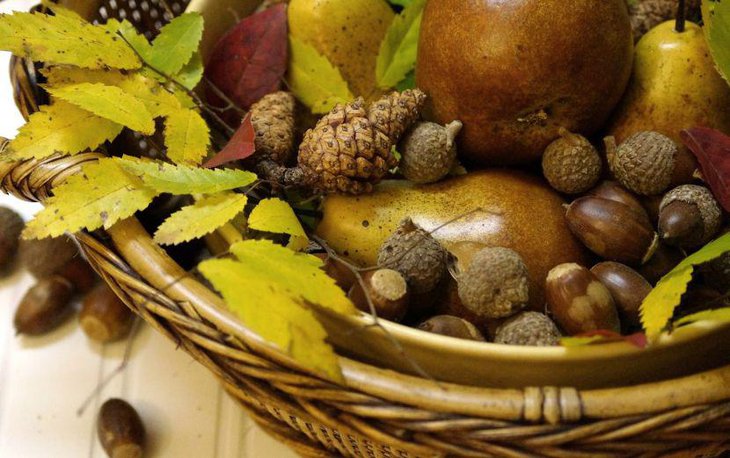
x: 240, y: 146
x: 250, y: 60
x: 712, y: 149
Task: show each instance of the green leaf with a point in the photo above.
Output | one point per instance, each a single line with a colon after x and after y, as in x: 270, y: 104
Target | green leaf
x: 129, y: 33
x: 721, y: 315
x: 60, y: 128
x: 186, y: 137
x: 184, y: 179
x: 400, y: 2
x: 64, y: 39
x: 109, y: 102
x: 201, y: 218
x: 176, y: 43
x: 658, y: 307
x: 191, y: 73
x: 716, y: 15
x: 99, y: 196
x: 276, y: 216
x: 409, y: 82
x: 271, y: 307
x: 299, y: 274
x: 314, y: 80
x: 398, y: 50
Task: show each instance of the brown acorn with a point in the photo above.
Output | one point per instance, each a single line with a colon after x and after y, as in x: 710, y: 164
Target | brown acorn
x: 644, y: 162
x: 689, y: 216
x: 387, y: 291
x: 11, y: 225
x: 120, y: 430
x: 628, y: 288
x: 104, y: 317
x: 613, y: 190
x: 528, y: 328
x: 571, y: 164
x: 452, y: 326
x: 45, y: 306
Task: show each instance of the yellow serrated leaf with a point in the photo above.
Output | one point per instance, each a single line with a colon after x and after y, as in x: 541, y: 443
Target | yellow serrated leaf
x: 721, y: 315
x: 270, y: 310
x: 299, y: 273
x: 276, y: 216
x: 314, y: 80
x: 185, y: 179
x: 201, y: 218
x: 397, y: 56
x: 60, y: 128
x: 98, y: 197
x: 109, y: 102
x: 64, y: 39
x: 176, y: 43
x: 156, y: 99
x: 131, y: 35
x: 658, y: 307
x: 186, y: 137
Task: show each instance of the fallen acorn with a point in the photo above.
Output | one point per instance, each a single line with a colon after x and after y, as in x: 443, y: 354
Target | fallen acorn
x: 104, y: 317
x: 11, y: 225
x: 44, y: 307
x: 120, y: 429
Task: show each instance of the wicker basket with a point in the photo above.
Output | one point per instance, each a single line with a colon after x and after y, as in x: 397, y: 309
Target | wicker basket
x: 376, y: 413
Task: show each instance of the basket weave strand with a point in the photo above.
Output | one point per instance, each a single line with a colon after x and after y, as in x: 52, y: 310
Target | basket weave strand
x: 378, y: 413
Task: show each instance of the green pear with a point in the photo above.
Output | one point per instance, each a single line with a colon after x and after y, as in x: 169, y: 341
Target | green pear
x: 675, y: 86
x: 347, y: 32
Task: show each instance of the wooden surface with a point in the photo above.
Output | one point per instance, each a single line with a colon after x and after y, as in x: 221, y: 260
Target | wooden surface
x: 43, y: 381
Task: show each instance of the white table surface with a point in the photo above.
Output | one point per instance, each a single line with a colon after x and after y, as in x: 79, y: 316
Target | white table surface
x: 44, y: 380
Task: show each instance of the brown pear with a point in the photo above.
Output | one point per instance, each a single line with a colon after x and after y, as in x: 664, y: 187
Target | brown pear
x: 515, y: 72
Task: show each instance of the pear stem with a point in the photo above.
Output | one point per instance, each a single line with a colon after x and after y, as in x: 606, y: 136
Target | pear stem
x: 681, y: 17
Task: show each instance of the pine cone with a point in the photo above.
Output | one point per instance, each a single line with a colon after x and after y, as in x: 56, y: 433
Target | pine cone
x: 273, y: 121
x: 349, y: 150
x: 647, y: 14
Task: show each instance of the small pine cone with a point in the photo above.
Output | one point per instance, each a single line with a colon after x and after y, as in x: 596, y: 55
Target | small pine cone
x: 344, y: 153
x: 393, y: 114
x: 273, y: 121
x: 414, y: 253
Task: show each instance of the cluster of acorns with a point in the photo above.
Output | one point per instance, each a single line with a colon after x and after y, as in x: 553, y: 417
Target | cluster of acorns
x: 616, y: 220
x: 61, y: 275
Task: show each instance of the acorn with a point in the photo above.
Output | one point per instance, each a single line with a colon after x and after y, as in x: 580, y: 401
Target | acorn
x: 571, y: 164
x: 414, y: 253
x: 644, y: 163
x: 45, y: 306
x: 664, y: 260
x: 11, y: 225
x: 452, y: 326
x: 104, y: 317
x: 528, y: 328
x: 578, y: 301
x: 628, y: 288
x: 613, y: 190
x: 80, y: 274
x: 689, y: 216
x: 388, y: 293
x: 612, y: 230
x: 45, y: 257
x: 428, y: 151
x: 120, y: 429
x: 495, y: 284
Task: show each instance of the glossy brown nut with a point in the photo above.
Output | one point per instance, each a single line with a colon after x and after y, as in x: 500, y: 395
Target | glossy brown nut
x: 664, y: 260
x: 681, y: 225
x: 578, y: 301
x: 613, y: 190
x: 612, y: 230
x: 120, y: 430
x: 628, y: 288
x: 388, y: 293
x: 103, y: 316
x: 44, y: 307
x: 80, y: 274
x: 451, y: 326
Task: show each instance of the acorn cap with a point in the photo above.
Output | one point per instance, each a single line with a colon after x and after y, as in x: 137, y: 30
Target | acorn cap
x: 704, y: 201
x: 495, y: 284
x: 571, y: 164
x: 414, y: 253
x: 528, y: 328
x: 428, y: 151
x: 644, y: 163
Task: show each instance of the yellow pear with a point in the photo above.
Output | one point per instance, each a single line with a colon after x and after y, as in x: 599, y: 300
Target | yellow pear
x: 347, y: 32
x: 674, y: 86
x: 486, y: 208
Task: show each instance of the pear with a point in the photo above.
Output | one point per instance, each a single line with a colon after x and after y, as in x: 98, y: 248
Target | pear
x: 347, y: 32
x: 485, y: 208
x: 516, y: 71
x: 675, y: 86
